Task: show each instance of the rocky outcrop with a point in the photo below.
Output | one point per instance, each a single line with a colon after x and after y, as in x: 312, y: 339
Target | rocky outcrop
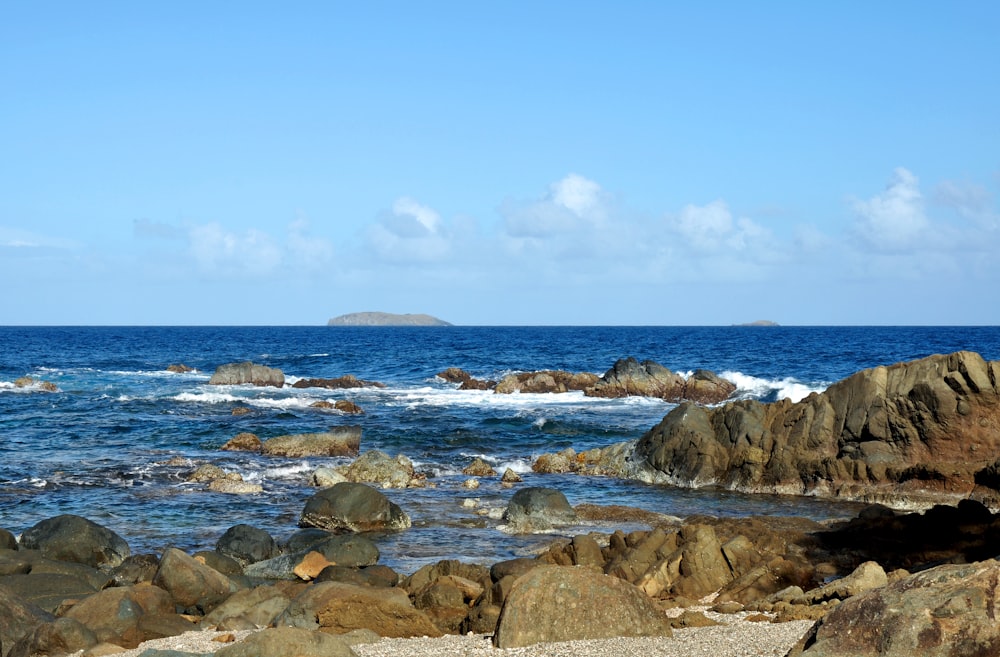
x: 466, y: 380
x: 346, y: 382
x: 338, y: 441
x: 377, y: 467
x: 945, y: 611
x: 553, y: 603
x: 911, y: 433
x: 234, y: 374
x: 554, y: 381
x: 537, y: 509
x: 385, y: 319
x: 629, y: 378
x: 352, y: 507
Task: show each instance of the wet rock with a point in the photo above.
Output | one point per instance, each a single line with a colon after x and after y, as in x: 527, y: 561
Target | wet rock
x: 340, y: 383
x: 538, y: 509
x: 324, y: 477
x: 546, y: 381
x: 456, y: 375
x: 233, y: 374
x: 352, y: 507
x: 338, y: 441
x: 76, y: 539
x: 180, y: 368
x: 234, y: 485
x: 479, y: 468
x: 243, y: 442
x: 556, y: 603
x: 510, y: 477
x: 348, y: 407
x: 377, y: 467
x: 628, y: 377
x: 247, y: 544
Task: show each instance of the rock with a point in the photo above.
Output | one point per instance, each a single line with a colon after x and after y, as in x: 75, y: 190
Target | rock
x: 234, y: 374
x: 627, y: 378
x: 243, y: 442
x: 456, y: 375
x: 538, y: 509
x: 377, y: 467
x: 258, y: 606
x: 247, y: 544
x: 703, y: 568
x: 324, y: 477
x: 471, y: 484
x: 510, y: 477
x: 479, y: 468
x: 179, y: 368
x: 7, y: 540
x: 546, y: 381
x: 610, y: 461
x: 352, y: 507
x: 207, y: 473
x: 947, y: 610
x: 386, y: 319
x: 191, y: 584
x: 453, y: 569
x: 378, y: 576
x: 350, y: 550
x: 136, y: 569
x: 31, y: 382
x: 917, y: 432
x: 865, y: 577
x: 114, y: 615
x: 59, y: 637
x: 288, y: 642
x: 76, y: 539
x: 311, y: 566
x: 348, y: 407
x: 336, y: 607
x: 338, y: 441
x: 220, y: 562
x: 345, y: 382
x: 48, y: 590
x: 241, y: 410
x: 18, y: 618
x: 234, y: 486
x: 556, y: 603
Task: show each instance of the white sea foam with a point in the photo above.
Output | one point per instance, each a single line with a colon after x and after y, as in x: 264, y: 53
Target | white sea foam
x: 752, y: 387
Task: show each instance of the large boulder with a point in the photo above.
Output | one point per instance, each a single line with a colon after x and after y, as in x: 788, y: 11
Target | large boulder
x: 247, y: 544
x: 288, y: 642
x: 353, y: 507
x: 18, y: 618
x: 545, y: 381
x: 350, y: 550
x: 538, y: 509
x: 915, y: 432
x: 338, y: 441
x: 945, y: 611
x: 559, y: 603
x: 630, y: 378
x: 258, y: 606
x: 191, y: 584
x: 234, y: 374
x: 377, y: 467
x: 116, y: 615
x: 76, y: 539
x: 59, y: 637
x: 338, y: 608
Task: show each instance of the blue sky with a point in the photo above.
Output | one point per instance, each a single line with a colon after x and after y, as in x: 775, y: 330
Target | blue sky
x: 664, y: 163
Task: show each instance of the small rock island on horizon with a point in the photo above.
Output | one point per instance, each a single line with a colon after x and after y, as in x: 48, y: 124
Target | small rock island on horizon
x: 386, y: 319
x: 760, y: 322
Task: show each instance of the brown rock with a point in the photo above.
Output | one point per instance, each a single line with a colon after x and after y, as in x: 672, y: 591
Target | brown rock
x: 191, y: 584
x: 114, y: 614
x: 479, y: 468
x: 338, y: 441
x: 556, y: 603
x: 247, y: 372
x: 348, y: 407
x: 456, y: 375
x: 243, y: 442
x: 311, y: 565
x: 288, y: 642
x: 547, y: 381
x: 340, y: 383
x: 179, y: 368
x: 628, y: 377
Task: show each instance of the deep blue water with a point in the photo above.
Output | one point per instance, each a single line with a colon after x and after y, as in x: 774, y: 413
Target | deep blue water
x: 100, y: 446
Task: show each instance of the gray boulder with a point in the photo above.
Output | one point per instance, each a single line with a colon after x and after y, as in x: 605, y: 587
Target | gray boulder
x: 59, y: 637
x: 247, y: 544
x: 377, y: 467
x: 352, y: 507
x: 559, y: 603
x: 538, y: 509
x: 76, y: 539
x: 18, y: 618
x: 191, y: 584
x: 350, y: 550
x: 628, y: 377
x: 234, y: 374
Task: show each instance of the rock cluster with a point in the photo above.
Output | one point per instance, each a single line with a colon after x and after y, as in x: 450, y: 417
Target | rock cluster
x: 921, y: 431
x: 626, y: 378
x: 347, y: 381
x: 234, y: 374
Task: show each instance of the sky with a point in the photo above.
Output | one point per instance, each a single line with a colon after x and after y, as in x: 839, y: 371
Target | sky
x: 512, y: 163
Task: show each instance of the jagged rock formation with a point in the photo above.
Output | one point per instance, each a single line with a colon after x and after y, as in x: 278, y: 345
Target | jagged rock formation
x: 911, y: 433
x: 386, y: 319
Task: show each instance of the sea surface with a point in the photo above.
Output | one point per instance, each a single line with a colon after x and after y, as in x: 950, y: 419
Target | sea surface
x: 117, y: 439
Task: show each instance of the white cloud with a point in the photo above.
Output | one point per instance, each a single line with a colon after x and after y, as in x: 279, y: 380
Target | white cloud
x: 711, y: 228
x: 572, y: 204
x: 218, y: 251
x: 411, y: 233
x: 970, y: 201
x: 894, y: 220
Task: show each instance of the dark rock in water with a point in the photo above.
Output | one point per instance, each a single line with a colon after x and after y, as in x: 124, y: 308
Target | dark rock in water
x: 628, y: 377
x: 352, y: 507
x: 345, y: 382
x: 556, y: 603
x: 247, y: 544
x: 191, y: 584
x: 918, y: 432
x: 234, y: 374
x: 18, y: 618
x: 59, y: 637
x: 288, y: 642
x: 338, y: 441
x: 945, y: 611
x: 538, y: 509
x: 179, y: 368
x: 467, y: 381
x: 76, y: 539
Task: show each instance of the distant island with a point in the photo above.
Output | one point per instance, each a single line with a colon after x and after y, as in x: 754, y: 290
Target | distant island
x: 760, y: 322
x: 386, y: 319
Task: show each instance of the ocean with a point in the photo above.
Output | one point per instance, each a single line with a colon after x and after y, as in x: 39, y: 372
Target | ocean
x: 116, y: 439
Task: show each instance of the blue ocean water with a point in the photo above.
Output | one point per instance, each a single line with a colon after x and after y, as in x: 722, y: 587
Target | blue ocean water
x: 116, y: 440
